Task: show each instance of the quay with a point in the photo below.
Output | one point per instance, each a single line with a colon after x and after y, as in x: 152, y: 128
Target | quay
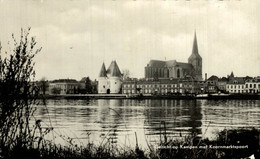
x: 149, y: 96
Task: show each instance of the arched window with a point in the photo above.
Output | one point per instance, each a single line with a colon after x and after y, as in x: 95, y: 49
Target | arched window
x: 178, y: 73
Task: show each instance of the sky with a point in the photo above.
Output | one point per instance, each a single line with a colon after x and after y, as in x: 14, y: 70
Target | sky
x: 77, y: 36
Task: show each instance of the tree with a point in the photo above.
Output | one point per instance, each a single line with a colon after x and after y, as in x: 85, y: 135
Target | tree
x: 43, y: 84
x: 88, y: 85
x: 55, y: 90
x: 17, y: 97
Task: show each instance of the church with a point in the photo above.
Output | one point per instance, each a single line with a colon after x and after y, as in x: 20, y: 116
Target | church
x: 157, y: 69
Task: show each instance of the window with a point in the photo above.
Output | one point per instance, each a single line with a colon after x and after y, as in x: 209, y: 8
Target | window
x: 246, y: 85
x: 178, y: 73
x: 254, y: 85
x: 250, y: 85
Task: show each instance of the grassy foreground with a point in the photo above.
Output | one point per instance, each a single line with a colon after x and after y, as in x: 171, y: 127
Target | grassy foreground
x: 239, y: 143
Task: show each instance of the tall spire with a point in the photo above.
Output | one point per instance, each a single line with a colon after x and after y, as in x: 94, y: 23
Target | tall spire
x: 195, y: 45
x: 232, y: 74
x: 103, y: 72
x: 195, y: 51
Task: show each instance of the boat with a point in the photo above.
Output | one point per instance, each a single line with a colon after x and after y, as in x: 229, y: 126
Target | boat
x: 202, y: 96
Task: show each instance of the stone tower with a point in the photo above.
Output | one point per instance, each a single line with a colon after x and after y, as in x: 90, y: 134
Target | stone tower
x: 110, y: 80
x: 102, y: 80
x: 196, y: 60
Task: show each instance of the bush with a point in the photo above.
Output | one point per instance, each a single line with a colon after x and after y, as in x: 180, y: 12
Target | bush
x: 17, y: 95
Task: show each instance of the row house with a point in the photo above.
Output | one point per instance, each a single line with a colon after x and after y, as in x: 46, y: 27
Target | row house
x: 64, y: 86
x: 240, y: 85
x: 236, y: 85
x: 129, y: 86
x: 252, y: 85
x: 215, y: 84
x: 162, y: 86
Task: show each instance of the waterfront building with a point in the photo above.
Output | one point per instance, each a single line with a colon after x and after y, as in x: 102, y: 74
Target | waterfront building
x: 64, y: 86
x: 129, y: 86
x: 110, y: 80
x: 236, y: 85
x: 252, y: 85
x: 211, y: 84
x: 221, y: 84
x: 172, y: 69
x: 161, y: 86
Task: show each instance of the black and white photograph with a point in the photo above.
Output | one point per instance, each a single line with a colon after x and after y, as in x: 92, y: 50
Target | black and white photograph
x: 129, y: 79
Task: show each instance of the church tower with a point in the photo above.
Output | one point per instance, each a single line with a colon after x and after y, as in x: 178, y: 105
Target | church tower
x: 196, y: 60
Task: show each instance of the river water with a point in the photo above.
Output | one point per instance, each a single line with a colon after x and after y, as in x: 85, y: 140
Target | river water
x: 117, y: 120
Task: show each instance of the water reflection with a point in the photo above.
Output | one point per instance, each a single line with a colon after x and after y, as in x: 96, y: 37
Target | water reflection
x: 117, y: 120
x: 176, y: 117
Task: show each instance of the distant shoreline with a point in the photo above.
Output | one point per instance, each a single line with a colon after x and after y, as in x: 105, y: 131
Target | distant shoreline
x: 125, y: 96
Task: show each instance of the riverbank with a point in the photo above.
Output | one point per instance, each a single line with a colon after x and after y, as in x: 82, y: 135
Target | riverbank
x: 236, y: 144
x: 135, y: 96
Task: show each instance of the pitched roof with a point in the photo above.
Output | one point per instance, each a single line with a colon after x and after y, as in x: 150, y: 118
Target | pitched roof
x: 157, y: 63
x: 184, y: 65
x: 237, y: 80
x: 169, y: 81
x: 103, y: 72
x: 113, y: 70
x: 64, y: 81
x: 195, y: 51
x: 213, y: 78
x: 170, y: 63
x: 223, y: 79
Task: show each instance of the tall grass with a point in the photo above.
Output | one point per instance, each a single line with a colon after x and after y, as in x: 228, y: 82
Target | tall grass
x: 17, y: 95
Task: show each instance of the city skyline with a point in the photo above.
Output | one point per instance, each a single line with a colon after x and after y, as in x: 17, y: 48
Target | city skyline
x: 78, y: 36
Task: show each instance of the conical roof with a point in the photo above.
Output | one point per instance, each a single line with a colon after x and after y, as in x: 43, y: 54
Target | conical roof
x: 103, y: 72
x: 195, y: 51
x: 114, y: 70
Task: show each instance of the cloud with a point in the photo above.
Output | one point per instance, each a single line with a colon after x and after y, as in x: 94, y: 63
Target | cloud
x: 133, y: 32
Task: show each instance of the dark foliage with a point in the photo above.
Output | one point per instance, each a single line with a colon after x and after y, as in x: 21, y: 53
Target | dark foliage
x: 17, y: 95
